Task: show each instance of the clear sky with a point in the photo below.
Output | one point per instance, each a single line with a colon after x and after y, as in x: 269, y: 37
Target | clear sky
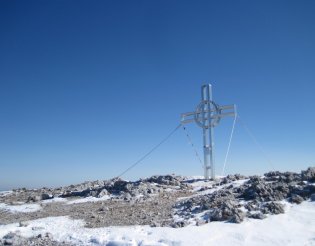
x: 88, y: 87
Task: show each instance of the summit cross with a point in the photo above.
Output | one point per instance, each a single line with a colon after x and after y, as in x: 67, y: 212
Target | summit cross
x: 208, y: 115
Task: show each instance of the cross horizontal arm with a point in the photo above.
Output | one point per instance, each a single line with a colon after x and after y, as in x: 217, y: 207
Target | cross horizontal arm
x: 222, y: 115
x: 190, y: 116
x: 225, y: 107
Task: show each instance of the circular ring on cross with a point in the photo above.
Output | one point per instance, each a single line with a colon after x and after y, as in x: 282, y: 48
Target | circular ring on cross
x: 207, y: 114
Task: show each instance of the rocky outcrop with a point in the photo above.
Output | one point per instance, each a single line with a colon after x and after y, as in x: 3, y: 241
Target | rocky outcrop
x: 256, y: 198
x: 154, y: 201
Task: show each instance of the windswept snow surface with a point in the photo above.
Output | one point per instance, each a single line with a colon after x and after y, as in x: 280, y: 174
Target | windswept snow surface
x: 295, y: 227
x: 53, y: 200
x: 23, y: 208
x: 75, y: 201
x: 88, y: 199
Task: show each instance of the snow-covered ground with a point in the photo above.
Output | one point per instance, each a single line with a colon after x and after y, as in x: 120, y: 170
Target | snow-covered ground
x: 88, y: 199
x: 295, y: 227
x: 21, y: 208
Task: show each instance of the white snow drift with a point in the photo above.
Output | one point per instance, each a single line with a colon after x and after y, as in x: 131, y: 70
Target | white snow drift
x: 21, y: 208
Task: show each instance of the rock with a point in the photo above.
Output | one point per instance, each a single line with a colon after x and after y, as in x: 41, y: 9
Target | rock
x: 303, y: 191
x: 252, y: 206
x: 273, y: 208
x: 23, y: 224
x: 180, y: 224
x: 8, y: 242
x: 313, y: 197
x: 103, y: 209
x: 238, y: 216
x: 102, y: 193
x: 216, y: 215
x: 34, y: 198
x: 165, y: 180
x: 48, y: 235
x: 8, y: 239
x: 9, y: 235
x: 309, y: 174
x: 257, y: 189
x: 296, y: 199
x: 127, y: 197
x: 93, y: 193
x: 118, y: 187
x: 200, y: 222
x: 226, y: 212
x: 155, y: 224
x: 45, y: 196
x: 272, y: 176
x: 258, y: 215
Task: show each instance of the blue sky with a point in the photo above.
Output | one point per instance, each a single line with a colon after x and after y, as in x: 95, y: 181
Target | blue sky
x: 88, y: 87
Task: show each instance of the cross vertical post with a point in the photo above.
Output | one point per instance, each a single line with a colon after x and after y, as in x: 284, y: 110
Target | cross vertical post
x: 207, y: 115
x: 206, y: 95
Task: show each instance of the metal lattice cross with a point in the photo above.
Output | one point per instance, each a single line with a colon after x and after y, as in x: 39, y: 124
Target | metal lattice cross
x: 208, y: 115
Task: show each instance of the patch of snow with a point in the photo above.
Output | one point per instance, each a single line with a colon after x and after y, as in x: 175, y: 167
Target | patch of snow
x: 88, y: 199
x: 23, y: 208
x: 55, y: 199
x: 294, y: 228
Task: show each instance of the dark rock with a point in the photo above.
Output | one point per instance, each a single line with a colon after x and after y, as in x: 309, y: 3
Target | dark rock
x: 303, y: 191
x: 258, y: 189
x: 226, y: 211
x: 8, y: 242
x: 272, y: 174
x: 155, y: 224
x: 258, y: 215
x: 45, y: 196
x: 8, y: 239
x: 69, y: 193
x: 93, y: 193
x: 10, y: 235
x: 273, y: 208
x: 309, y: 174
x: 313, y: 197
x: 33, y: 198
x: 238, y: 216
x: 180, y: 224
x: 164, y: 180
x: 252, y: 206
x: 102, y: 193
x: 296, y: 199
x: 127, y: 197
x: 216, y: 215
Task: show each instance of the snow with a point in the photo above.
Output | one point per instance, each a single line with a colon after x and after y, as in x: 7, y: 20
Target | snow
x: 295, y: 227
x: 89, y: 199
x: 55, y: 199
x: 23, y: 208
